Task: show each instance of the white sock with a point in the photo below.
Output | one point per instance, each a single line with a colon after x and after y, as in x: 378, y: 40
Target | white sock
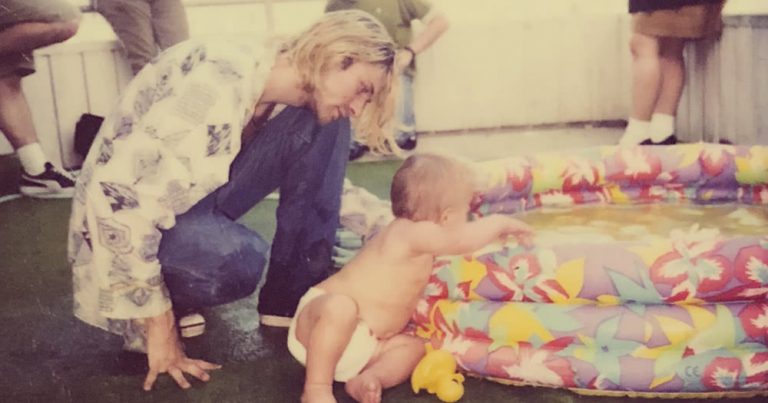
x: 635, y: 133
x: 32, y: 158
x: 662, y: 126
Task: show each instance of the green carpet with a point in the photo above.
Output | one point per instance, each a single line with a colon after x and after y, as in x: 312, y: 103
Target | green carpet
x: 46, y: 355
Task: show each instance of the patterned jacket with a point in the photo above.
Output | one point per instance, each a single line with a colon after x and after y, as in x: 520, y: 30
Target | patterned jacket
x: 168, y: 143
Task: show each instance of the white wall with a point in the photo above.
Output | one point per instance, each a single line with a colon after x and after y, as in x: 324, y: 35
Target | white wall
x: 502, y: 63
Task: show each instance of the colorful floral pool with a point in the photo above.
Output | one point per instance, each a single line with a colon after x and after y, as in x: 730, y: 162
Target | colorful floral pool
x: 648, y: 274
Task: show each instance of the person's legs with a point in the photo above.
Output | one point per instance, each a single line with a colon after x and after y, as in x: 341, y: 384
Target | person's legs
x: 646, y: 79
x: 208, y: 259
x: 308, y: 165
x: 15, y: 116
x: 169, y: 22
x: 25, y: 26
x: 39, y: 177
x: 357, y: 149
x: 392, y: 366
x: 132, y: 22
x: 672, y: 67
x: 405, y: 117
x: 325, y: 327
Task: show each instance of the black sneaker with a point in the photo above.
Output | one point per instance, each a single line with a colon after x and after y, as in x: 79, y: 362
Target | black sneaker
x: 51, y: 184
x: 406, y: 142
x: 669, y: 141
x: 357, y: 150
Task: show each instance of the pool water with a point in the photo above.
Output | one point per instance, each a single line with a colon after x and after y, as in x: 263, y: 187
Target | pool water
x: 602, y: 223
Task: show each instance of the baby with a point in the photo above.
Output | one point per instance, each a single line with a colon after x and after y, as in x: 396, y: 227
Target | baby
x: 350, y: 326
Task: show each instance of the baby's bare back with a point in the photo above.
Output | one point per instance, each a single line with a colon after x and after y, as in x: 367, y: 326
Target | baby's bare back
x: 386, y: 280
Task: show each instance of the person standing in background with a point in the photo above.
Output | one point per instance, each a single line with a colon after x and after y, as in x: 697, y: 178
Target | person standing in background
x: 396, y: 16
x: 660, y: 31
x: 26, y: 25
x: 145, y: 26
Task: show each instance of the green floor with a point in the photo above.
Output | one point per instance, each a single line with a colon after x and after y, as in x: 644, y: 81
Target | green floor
x: 48, y: 356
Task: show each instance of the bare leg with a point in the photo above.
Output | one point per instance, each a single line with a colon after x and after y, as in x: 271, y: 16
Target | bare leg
x: 646, y: 75
x: 15, y: 116
x: 325, y: 327
x: 394, y: 364
x: 32, y: 35
x: 672, y: 67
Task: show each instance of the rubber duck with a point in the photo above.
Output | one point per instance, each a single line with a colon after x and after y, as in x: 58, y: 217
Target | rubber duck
x: 436, y: 373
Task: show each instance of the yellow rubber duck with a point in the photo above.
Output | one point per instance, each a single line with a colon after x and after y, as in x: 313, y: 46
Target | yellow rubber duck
x: 436, y: 372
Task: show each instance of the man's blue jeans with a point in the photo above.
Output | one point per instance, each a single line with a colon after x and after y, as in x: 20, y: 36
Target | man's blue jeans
x: 209, y: 259
x: 406, y: 119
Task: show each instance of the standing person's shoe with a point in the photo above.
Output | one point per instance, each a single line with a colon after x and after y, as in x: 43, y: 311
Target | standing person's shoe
x: 669, y: 141
x: 275, y: 321
x: 53, y: 183
x: 406, y: 141
x: 357, y: 150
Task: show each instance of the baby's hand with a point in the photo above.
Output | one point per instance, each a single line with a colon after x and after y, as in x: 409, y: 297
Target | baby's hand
x: 520, y: 230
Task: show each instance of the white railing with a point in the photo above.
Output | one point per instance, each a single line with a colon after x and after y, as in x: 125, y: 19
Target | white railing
x: 726, y: 96
x: 508, y: 70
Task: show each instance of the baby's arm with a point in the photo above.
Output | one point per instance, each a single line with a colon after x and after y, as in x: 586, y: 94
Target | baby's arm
x: 428, y: 237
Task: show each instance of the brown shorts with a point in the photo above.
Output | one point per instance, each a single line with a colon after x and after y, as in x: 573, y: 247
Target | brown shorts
x: 690, y: 22
x: 15, y: 12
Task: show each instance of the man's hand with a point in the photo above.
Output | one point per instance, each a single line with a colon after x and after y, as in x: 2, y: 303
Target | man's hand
x: 403, y: 60
x: 165, y: 354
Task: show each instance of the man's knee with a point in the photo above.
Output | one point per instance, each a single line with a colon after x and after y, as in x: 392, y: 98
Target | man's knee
x: 244, y: 267
x: 200, y: 273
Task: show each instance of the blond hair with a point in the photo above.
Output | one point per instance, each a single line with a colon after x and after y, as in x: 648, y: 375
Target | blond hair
x: 358, y: 37
x: 427, y: 184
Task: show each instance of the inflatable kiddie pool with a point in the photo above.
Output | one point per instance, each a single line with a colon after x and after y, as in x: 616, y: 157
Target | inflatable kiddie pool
x: 648, y: 275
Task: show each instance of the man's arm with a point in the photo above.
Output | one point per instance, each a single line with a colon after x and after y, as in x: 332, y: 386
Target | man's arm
x: 436, y: 25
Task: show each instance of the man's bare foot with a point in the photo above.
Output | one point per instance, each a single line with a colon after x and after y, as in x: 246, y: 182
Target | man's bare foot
x: 364, y: 388
x: 318, y: 394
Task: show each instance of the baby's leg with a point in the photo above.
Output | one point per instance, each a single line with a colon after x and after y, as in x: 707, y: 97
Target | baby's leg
x: 393, y: 365
x: 324, y: 327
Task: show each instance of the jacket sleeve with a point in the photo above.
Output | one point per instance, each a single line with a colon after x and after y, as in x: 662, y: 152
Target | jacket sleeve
x: 170, y: 143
